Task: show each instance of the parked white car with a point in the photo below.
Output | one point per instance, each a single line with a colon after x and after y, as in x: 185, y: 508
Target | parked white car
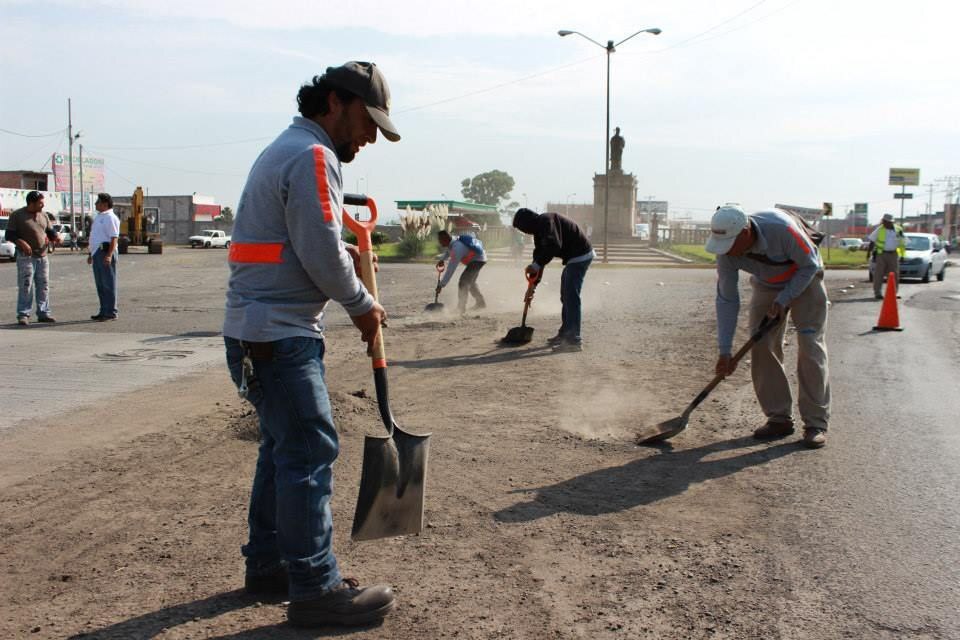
x: 926, y: 256
x: 210, y: 238
x: 850, y: 244
x: 7, y: 249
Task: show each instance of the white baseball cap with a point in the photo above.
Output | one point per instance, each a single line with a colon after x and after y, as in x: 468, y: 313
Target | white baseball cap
x: 725, y: 226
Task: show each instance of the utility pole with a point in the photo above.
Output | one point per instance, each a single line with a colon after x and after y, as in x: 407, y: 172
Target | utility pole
x: 929, y: 213
x: 73, y: 224
x: 73, y: 218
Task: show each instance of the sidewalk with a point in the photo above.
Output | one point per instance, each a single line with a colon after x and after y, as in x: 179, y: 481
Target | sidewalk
x: 50, y: 372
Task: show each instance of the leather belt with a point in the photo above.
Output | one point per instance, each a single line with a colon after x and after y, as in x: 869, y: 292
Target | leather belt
x: 259, y: 350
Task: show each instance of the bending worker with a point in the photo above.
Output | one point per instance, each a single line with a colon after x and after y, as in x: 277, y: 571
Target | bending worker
x: 787, y: 273
x: 888, y: 245
x: 468, y: 250
x: 555, y: 236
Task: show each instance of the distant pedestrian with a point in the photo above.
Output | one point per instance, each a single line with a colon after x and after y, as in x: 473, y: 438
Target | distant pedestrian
x: 102, y: 254
x: 556, y: 236
x: 74, y: 245
x: 787, y: 274
x: 30, y: 229
x: 468, y: 250
x: 887, y: 246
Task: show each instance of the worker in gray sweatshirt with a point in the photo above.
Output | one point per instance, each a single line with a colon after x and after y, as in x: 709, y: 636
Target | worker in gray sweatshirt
x: 287, y: 262
x: 780, y: 252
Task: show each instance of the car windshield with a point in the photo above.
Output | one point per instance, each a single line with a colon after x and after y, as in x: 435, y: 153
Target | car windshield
x: 918, y: 243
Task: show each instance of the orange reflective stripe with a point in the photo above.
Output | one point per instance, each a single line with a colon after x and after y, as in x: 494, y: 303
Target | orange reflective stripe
x: 467, y: 258
x: 801, y: 240
x: 380, y: 364
x: 256, y: 252
x: 323, y: 188
x: 783, y: 277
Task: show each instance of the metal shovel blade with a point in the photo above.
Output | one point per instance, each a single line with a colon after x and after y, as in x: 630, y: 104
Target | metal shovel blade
x: 663, y: 431
x: 390, y: 502
x: 434, y: 306
x: 518, y: 335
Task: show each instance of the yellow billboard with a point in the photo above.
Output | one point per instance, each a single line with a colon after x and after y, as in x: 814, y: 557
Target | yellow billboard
x: 904, y: 177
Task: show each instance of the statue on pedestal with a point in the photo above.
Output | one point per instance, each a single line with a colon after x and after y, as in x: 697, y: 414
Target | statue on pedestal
x: 616, y: 151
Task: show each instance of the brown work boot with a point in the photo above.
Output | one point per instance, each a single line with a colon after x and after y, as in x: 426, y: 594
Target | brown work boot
x: 346, y: 604
x: 814, y: 438
x: 773, y: 430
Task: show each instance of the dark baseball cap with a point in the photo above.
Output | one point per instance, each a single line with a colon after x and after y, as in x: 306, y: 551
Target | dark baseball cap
x: 364, y: 80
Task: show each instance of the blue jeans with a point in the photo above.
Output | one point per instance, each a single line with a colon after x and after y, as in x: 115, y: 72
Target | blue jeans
x: 571, y: 284
x: 33, y: 279
x: 289, y: 518
x: 105, y: 277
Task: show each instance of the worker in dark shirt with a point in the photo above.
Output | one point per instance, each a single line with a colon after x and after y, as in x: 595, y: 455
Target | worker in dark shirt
x: 555, y: 236
x: 31, y: 230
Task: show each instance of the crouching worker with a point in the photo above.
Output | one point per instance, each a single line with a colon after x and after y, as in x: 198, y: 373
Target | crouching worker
x: 787, y: 273
x: 468, y: 250
x: 555, y: 236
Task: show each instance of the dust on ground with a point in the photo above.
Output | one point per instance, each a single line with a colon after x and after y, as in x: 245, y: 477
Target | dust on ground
x: 544, y: 519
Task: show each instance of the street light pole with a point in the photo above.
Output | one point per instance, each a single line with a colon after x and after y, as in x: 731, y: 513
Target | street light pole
x: 610, y: 48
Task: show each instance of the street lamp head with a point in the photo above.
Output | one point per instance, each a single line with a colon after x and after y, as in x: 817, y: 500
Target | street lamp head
x: 563, y: 32
x: 655, y: 31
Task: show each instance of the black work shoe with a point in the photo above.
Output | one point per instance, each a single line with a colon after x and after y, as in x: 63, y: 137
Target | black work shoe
x: 557, y: 339
x: 46, y: 318
x: 346, y: 604
x: 96, y: 317
x: 105, y: 318
x: 814, y: 438
x: 773, y: 430
x: 270, y: 584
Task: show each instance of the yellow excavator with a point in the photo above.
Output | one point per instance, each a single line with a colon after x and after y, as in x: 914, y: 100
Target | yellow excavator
x: 133, y: 228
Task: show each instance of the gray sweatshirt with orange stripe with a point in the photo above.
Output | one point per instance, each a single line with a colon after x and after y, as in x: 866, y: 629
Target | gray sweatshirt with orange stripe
x: 779, y: 240
x: 286, y: 256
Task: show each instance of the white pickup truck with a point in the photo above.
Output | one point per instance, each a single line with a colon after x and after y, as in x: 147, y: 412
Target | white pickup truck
x: 210, y: 238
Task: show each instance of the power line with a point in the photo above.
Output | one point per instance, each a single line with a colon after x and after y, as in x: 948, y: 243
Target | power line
x: 28, y: 135
x: 498, y: 86
x: 160, y: 166
x: 190, y: 146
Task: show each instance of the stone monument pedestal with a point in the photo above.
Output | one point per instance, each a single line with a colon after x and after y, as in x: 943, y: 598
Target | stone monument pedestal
x: 622, y: 212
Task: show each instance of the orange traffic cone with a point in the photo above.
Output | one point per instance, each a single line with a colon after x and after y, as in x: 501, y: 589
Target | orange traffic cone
x: 889, y: 316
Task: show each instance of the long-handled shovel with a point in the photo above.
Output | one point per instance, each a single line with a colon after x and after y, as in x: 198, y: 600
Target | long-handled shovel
x: 435, y: 305
x: 523, y: 334
x: 670, y: 428
x: 393, y: 476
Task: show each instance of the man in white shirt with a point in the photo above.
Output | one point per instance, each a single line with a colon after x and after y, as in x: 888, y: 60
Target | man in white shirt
x: 104, y: 233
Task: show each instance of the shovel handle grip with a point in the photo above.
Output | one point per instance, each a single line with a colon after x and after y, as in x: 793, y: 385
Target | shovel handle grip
x: 765, y: 325
x: 368, y: 274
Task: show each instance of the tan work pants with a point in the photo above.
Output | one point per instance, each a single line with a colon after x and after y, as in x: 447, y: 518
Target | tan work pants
x: 809, y: 315
x: 886, y: 263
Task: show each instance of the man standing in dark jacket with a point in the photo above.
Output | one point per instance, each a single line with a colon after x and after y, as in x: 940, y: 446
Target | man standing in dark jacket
x: 555, y: 236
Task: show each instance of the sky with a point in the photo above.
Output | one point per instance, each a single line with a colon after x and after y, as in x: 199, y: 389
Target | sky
x: 751, y: 101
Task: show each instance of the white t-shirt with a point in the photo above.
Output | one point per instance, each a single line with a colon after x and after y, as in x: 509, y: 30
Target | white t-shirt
x: 105, y: 227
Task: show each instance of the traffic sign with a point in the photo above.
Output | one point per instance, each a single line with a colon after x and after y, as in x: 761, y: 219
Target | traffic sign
x: 860, y: 207
x: 903, y: 196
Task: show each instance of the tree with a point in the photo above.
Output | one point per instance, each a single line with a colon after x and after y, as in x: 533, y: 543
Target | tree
x: 227, y: 214
x: 488, y: 188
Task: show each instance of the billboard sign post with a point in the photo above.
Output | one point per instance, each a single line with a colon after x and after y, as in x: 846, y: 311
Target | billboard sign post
x: 903, y: 178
